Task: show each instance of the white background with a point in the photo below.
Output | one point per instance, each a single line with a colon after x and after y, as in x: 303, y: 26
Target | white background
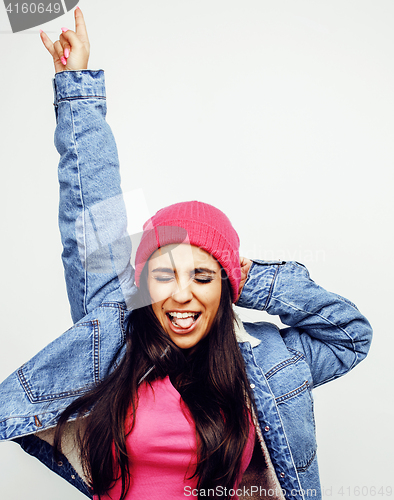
x: 278, y: 112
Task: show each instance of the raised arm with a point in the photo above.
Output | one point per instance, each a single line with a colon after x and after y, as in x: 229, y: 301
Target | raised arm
x: 328, y: 329
x: 92, y: 216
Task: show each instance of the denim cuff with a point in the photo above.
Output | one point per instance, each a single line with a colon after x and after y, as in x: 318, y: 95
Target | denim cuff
x: 78, y: 85
x: 43, y: 451
x: 257, y: 290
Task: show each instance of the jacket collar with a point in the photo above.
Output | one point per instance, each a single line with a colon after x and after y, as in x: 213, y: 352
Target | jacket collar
x: 241, y: 334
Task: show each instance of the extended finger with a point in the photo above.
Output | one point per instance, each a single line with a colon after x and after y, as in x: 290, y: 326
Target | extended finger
x: 48, y: 44
x: 80, y: 26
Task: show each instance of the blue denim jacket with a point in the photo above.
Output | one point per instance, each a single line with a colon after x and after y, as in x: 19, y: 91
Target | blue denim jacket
x: 325, y: 338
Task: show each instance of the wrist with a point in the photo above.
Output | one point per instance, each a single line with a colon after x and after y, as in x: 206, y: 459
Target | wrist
x: 257, y: 289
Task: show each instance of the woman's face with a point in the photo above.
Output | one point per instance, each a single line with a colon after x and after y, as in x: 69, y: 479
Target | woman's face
x: 185, y: 286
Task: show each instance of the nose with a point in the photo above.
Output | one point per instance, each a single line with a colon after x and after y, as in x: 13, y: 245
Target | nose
x: 183, y: 292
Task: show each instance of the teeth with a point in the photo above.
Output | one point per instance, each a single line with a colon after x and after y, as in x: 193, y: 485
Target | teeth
x: 182, y: 315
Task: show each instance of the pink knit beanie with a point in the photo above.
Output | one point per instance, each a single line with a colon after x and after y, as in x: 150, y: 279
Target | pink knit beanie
x: 198, y: 224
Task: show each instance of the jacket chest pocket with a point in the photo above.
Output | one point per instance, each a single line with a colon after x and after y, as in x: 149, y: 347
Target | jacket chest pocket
x: 66, y: 367
x: 289, y: 382
x: 297, y: 415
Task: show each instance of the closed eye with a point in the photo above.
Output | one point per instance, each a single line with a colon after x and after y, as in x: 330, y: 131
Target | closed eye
x: 163, y: 274
x: 163, y: 279
x: 199, y: 275
x: 203, y: 279
x: 204, y: 275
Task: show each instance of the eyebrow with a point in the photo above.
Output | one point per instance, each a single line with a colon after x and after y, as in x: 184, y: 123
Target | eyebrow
x: 197, y: 270
x: 162, y: 270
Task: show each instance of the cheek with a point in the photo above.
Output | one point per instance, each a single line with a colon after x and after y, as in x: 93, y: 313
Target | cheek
x: 214, y: 299
x: 156, y: 307
x: 158, y: 291
x: 158, y: 312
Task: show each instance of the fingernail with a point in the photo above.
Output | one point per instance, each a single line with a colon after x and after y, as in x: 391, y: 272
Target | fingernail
x: 66, y: 53
x: 77, y: 7
x: 64, y: 60
x: 64, y: 30
x: 41, y: 31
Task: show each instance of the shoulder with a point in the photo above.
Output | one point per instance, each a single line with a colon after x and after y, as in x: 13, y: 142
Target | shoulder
x: 271, y: 352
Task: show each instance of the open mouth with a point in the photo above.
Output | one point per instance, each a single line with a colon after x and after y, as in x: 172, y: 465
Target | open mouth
x: 183, y: 320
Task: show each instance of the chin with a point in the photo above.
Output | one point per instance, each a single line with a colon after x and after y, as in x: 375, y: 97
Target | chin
x: 184, y: 343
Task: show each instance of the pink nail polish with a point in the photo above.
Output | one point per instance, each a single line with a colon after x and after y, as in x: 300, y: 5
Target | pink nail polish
x: 41, y: 31
x: 64, y: 60
x: 66, y: 53
x: 64, y: 30
x: 77, y: 7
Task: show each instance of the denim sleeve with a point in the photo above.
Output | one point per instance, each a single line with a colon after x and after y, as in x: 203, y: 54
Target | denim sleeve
x: 92, y: 215
x: 328, y: 329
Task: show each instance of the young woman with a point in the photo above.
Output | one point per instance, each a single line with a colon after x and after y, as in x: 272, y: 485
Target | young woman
x: 158, y: 390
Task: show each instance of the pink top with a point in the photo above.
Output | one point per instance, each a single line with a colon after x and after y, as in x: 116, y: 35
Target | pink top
x: 162, y: 446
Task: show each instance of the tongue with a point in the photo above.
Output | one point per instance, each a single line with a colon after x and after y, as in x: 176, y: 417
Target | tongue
x: 184, y: 322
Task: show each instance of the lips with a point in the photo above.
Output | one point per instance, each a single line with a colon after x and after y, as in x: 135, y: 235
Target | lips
x: 182, y: 322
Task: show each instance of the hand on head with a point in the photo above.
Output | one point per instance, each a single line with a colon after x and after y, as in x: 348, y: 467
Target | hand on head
x: 245, y: 266
x: 71, y: 51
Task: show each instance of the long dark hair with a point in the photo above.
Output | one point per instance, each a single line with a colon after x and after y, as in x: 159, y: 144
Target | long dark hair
x: 210, y: 378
